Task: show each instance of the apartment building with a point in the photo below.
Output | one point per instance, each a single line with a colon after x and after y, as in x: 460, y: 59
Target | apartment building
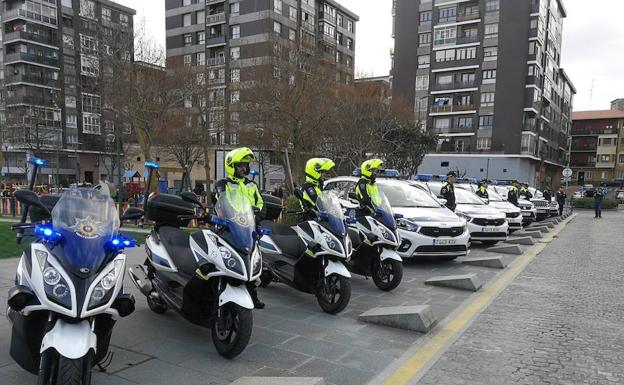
x: 232, y: 38
x: 52, y: 66
x: 597, y: 150
x: 486, y: 75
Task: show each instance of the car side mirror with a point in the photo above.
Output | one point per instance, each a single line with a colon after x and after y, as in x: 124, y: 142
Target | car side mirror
x: 132, y: 214
x: 442, y: 201
x: 191, y: 197
x: 30, y: 198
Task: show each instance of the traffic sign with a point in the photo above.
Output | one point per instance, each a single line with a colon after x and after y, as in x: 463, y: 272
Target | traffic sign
x: 567, y: 172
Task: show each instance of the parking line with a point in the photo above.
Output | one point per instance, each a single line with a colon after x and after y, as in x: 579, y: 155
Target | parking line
x: 443, y: 336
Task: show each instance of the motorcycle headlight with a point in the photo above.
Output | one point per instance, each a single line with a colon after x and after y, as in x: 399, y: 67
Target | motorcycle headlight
x: 256, y: 261
x: 230, y: 261
x: 56, y: 287
x: 467, y: 217
x: 331, y: 242
x: 408, y: 225
x: 102, y: 291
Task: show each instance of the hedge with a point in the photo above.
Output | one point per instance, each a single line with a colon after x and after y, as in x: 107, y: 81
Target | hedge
x: 588, y: 203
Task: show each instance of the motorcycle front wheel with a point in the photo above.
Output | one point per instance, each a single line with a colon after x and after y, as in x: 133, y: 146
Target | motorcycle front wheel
x: 232, y: 331
x: 333, y: 293
x: 74, y: 372
x: 387, y: 274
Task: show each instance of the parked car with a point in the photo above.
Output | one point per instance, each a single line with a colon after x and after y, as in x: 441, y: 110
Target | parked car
x: 577, y: 195
x: 427, y: 229
x: 529, y: 212
x: 486, y: 224
x: 619, y: 195
x: 513, y: 212
x: 553, y: 206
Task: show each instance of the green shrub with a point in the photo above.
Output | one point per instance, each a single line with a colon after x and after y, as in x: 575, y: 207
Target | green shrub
x: 292, y: 204
x: 588, y: 203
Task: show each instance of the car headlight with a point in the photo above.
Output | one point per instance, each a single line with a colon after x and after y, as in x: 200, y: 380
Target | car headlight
x: 230, y: 261
x: 467, y: 217
x: 408, y: 225
x: 256, y: 261
x: 56, y: 287
x: 102, y: 291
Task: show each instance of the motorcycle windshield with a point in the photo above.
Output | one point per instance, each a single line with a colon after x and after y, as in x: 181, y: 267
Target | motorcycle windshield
x: 87, y: 219
x: 234, y: 207
x: 329, y: 208
x: 384, y: 210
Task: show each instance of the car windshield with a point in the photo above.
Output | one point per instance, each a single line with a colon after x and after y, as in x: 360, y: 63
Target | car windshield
x: 464, y: 197
x: 234, y: 207
x: 330, y: 210
x: 87, y: 219
x: 404, y: 195
x: 384, y: 210
x: 494, y: 196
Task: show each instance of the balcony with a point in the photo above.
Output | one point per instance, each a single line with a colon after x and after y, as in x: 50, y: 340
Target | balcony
x: 29, y: 99
x: 28, y: 36
x: 218, y: 18
x: 215, y: 41
x: 20, y: 13
x: 328, y: 39
x: 16, y: 57
x: 591, y: 131
x: 532, y: 127
x: 457, y: 129
x: 467, y: 39
x: 452, y: 86
x: 308, y: 27
x: 584, y: 147
x: 582, y: 163
x: 452, y: 108
x: 210, y: 2
x: 467, y: 16
x: 533, y: 80
x: 215, y: 61
x: 216, y: 81
x: 33, y: 79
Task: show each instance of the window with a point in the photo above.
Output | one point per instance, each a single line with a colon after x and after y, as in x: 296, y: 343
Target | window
x: 277, y: 73
x: 447, y: 14
x: 484, y: 143
x: 235, y: 53
x: 350, y: 43
x: 604, y: 175
x: 234, y: 9
x: 487, y: 99
x: 186, y: 20
x: 188, y: 39
x: 329, y: 30
x: 605, y: 158
x: 489, y: 76
x: 467, y: 78
x: 292, y: 34
x: 91, y: 103
x: 490, y: 53
x: 70, y: 101
x: 340, y: 38
x: 67, y: 3
x: 88, y: 45
x: 186, y: 2
x: 109, y: 127
x: 444, y: 79
x: 340, y: 20
x: 422, y: 82
x: 621, y: 158
x: 492, y: 5
x: 425, y: 17
x: 442, y: 124
x: 201, y: 37
x: 491, y: 30
x: 445, y: 55
x: 106, y: 14
x: 234, y: 118
x: 464, y: 122
x: 235, y: 31
x: 87, y: 9
x: 446, y: 35
x: 277, y: 6
x: 188, y: 60
x: 424, y: 38
x: 201, y: 17
x: 71, y: 121
x: 235, y: 75
x: 90, y: 123
x: 124, y: 19
x: 201, y: 58
x: 293, y: 14
x: 466, y: 53
x: 277, y: 27
x: 235, y: 96
x: 350, y: 26
x: 608, y: 141
x: 423, y: 61
x: 89, y: 66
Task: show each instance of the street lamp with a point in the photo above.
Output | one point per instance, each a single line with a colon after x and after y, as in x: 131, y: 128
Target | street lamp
x: 76, y: 144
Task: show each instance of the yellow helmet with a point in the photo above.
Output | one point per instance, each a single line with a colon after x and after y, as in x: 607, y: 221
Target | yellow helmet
x: 237, y: 156
x: 314, y: 168
x: 370, y: 166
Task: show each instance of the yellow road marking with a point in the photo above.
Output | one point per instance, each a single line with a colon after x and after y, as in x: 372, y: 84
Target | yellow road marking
x: 444, y: 335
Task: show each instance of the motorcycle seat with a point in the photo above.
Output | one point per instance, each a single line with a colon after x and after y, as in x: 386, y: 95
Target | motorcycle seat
x: 177, y: 243
x: 286, y: 239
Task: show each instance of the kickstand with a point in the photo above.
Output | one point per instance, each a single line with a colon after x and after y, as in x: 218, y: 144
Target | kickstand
x: 106, y: 361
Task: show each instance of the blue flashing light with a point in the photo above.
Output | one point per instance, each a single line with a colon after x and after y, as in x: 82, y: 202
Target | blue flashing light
x: 37, y: 161
x: 120, y: 242
x: 254, y: 172
x: 48, y: 233
x: 391, y: 173
x: 151, y: 165
x: 424, y: 177
x: 357, y: 172
x: 443, y: 177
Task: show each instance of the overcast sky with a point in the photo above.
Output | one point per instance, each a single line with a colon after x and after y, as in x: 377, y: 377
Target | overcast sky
x: 592, y: 38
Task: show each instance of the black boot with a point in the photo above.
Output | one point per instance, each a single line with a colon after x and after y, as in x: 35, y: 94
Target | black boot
x: 256, y: 301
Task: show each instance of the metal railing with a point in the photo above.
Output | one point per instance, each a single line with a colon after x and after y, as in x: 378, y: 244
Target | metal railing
x: 21, y: 35
x: 452, y: 108
x: 27, y: 78
x: 215, y: 61
x: 11, y: 57
x: 452, y: 85
x: 215, y: 19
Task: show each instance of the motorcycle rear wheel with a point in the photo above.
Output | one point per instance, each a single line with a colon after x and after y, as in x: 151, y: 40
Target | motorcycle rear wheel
x: 234, y: 337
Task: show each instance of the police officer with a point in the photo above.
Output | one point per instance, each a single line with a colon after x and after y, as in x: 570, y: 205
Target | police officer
x: 561, y: 198
x: 448, y: 190
x: 482, y: 190
x: 366, y: 188
x: 237, y: 168
x: 316, y: 170
x: 512, y: 195
x: 547, y: 194
x: 524, y: 190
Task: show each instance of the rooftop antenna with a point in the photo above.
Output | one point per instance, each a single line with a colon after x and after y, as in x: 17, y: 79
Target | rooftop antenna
x: 591, y: 94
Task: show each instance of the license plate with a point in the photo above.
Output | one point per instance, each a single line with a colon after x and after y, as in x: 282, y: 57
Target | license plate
x: 527, y: 214
x: 444, y: 242
x: 489, y: 230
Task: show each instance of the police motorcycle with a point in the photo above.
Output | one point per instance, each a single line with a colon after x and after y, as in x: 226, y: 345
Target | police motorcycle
x: 203, y: 275
x: 375, y: 240
x: 68, y: 289
x: 310, y: 256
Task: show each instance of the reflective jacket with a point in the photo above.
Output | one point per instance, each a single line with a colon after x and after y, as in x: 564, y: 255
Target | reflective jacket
x: 367, y: 194
x: 482, y: 192
x: 512, y: 195
x: 448, y: 193
x: 248, y: 187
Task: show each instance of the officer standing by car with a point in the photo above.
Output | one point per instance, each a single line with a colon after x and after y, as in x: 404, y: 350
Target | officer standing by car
x: 482, y: 190
x: 599, y: 195
x: 561, y: 198
x: 448, y: 190
x: 547, y: 194
x: 524, y: 191
x: 512, y: 195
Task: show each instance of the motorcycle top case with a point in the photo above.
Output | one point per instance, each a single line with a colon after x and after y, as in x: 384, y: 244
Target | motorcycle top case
x: 49, y: 201
x: 164, y: 209
x: 272, y: 208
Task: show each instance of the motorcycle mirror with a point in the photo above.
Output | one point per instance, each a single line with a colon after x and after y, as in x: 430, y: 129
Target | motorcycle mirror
x: 191, y: 197
x: 442, y: 201
x: 132, y: 214
x: 398, y: 216
x: 263, y: 231
x: 215, y: 220
x: 30, y: 198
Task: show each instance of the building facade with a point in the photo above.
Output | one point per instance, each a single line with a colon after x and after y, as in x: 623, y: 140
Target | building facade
x: 233, y: 38
x: 618, y: 104
x: 486, y: 76
x: 56, y: 56
x: 597, y: 151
